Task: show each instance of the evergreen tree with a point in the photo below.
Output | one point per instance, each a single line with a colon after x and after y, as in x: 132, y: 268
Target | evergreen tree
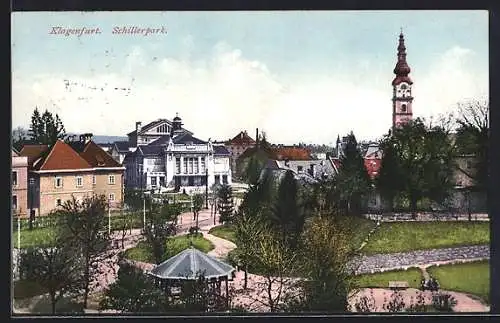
x: 226, y: 206
x: 353, y: 181
x: 46, y: 129
x: 288, y: 217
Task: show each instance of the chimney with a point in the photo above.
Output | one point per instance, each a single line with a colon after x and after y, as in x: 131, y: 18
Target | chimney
x: 257, y: 137
x: 82, y: 138
x: 88, y: 137
x: 138, y: 126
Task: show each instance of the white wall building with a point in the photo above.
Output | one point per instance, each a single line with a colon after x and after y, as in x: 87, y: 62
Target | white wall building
x: 174, y: 160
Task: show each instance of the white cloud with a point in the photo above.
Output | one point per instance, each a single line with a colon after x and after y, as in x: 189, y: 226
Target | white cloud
x: 225, y: 93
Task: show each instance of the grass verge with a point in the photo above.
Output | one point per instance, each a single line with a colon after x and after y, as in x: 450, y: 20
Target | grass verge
x: 394, y: 237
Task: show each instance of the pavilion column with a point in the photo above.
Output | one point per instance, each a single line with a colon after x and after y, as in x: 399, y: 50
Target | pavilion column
x: 227, y: 294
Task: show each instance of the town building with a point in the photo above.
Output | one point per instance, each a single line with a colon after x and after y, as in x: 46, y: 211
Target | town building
x: 307, y: 171
x: 237, y: 146
x: 402, y: 99
x: 71, y: 169
x: 120, y: 149
x: 172, y: 158
x: 19, y: 184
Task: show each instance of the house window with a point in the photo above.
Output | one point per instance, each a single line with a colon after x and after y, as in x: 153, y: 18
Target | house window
x: 196, y: 166
x: 14, y: 202
x: 93, y: 180
x: 403, y: 108
x: 14, y: 178
x: 217, y: 179
x: 190, y: 168
x: 58, y: 202
x: 153, y: 181
x: 202, y: 164
x: 112, y: 196
x: 58, y: 182
x: 185, y: 166
x: 224, y: 179
x: 79, y: 181
x: 177, y: 165
x: 111, y: 179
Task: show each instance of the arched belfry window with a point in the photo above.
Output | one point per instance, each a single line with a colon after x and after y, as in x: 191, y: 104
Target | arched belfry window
x: 403, y: 107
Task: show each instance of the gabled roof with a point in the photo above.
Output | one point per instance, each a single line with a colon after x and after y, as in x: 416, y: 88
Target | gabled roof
x: 241, y: 139
x: 150, y: 150
x: 153, y: 124
x: 33, y: 152
x: 190, y: 264
x: 162, y: 141
x: 60, y: 157
x: 373, y: 151
x: 221, y: 150
x: 187, y: 138
x: 292, y: 153
x: 97, y: 157
x: 122, y: 146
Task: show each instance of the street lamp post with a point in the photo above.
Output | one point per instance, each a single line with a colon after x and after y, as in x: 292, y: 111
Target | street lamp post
x: 206, y: 187
x: 32, y: 214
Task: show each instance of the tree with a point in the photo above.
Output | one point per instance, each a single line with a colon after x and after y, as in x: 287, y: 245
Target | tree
x: 128, y: 293
x: 419, y: 163
x: 288, y: 217
x: 247, y: 230
x: 46, y: 129
x: 19, y: 138
x: 326, y: 251
x: 472, y: 137
x: 133, y: 199
x: 160, y: 225
x: 353, y: 180
x: 85, y: 229
x: 225, y: 203
x: 57, y: 270
x: 198, y: 201
x: 276, y: 263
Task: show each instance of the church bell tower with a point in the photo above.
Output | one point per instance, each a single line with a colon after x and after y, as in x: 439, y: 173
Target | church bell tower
x: 402, y: 98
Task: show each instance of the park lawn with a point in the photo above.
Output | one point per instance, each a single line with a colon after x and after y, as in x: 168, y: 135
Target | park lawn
x: 360, y: 227
x: 142, y: 251
x: 394, y: 237
x: 38, y: 237
x: 472, y: 278
x: 225, y: 231
x: 381, y: 280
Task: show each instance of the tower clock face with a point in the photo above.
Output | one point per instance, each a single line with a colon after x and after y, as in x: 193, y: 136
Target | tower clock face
x: 403, y: 91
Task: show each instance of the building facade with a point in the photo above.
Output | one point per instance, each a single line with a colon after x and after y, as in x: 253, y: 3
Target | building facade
x: 176, y: 160
x: 19, y: 184
x: 237, y: 146
x: 76, y: 169
x: 402, y: 99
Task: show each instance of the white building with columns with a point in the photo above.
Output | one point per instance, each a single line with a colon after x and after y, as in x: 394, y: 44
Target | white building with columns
x: 170, y: 157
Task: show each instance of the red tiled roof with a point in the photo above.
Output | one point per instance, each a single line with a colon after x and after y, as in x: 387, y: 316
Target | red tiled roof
x: 33, y: 152
x: 292, y: 153
x: 98, y: 157
x: 241, y: 139
x: 62, y: 156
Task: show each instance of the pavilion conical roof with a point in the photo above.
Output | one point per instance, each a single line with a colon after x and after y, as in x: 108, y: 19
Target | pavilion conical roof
x: 190, y: 264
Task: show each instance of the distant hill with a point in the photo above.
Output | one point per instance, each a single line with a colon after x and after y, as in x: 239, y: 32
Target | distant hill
x: 98, y: 139
x: 107, y: 139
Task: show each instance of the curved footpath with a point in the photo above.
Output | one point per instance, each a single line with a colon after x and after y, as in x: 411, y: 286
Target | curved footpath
x: 253, y: 298
x: 403, y: 260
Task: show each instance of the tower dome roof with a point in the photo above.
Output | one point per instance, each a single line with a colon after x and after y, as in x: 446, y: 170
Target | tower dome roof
x: 401, y: 69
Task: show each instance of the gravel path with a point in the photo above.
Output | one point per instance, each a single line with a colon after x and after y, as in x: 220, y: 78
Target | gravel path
x: 379, y: 296
x: 384, y: 262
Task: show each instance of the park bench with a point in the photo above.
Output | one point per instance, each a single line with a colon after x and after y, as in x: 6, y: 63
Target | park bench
x: 398, y: 285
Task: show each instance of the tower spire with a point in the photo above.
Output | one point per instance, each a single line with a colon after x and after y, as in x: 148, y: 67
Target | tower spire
x: 401, y: 69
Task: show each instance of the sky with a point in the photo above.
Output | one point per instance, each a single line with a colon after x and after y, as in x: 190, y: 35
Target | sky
x: 299, y: 76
